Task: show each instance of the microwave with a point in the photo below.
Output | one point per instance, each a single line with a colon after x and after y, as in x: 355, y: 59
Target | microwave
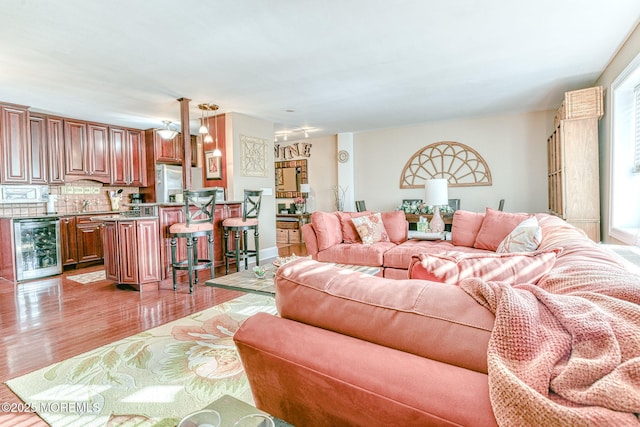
x: 24, y: 193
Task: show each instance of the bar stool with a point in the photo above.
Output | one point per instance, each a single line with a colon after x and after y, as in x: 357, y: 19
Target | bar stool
x: 199, y: 222
x: 248, y: 221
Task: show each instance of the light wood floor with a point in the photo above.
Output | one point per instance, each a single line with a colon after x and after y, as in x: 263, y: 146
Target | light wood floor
x: 50, y: 320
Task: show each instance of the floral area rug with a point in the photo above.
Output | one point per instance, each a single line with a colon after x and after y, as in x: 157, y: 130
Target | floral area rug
x: 153, y: 378
x: 85, y: 278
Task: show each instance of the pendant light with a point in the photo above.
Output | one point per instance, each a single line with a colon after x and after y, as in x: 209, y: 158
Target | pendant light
x: 167, y: 132
x: 204, y: 130
x: 216, y: 152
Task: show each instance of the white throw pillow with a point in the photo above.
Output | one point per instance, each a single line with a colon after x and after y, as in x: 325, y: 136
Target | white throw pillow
x: 525, y: 237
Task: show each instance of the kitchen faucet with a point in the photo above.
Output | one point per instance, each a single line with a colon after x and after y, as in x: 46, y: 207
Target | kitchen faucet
x: 85, y: 205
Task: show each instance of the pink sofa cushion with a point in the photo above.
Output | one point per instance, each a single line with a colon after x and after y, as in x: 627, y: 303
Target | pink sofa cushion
x: 327, y: 227
x: 356, y: 253
x: 495, y: 227
x: 465, y: 227
x: 395, y: 222
x: 371, y: 229
x: 452, y: 267
x: 427, y: 319
x: 401, y: 255
x: 349, y: 232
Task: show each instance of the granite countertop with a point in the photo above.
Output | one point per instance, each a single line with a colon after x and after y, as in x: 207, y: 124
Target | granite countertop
x: 121, y: 217
x: 57, y: 214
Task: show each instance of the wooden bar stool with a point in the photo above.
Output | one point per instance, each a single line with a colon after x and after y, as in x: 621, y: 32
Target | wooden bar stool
x: 248, y: 221
x: 199, y: 223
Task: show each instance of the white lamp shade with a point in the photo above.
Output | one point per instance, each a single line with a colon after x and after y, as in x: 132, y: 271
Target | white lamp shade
x: 305, y: 188
x: 436, y: 192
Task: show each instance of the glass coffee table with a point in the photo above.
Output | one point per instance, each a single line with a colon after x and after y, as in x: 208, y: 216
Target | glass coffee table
x: 246, y: 280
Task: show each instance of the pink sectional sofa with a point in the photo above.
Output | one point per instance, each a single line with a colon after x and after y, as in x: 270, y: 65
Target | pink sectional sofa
x: 553, y: 344
x: 332, y: 237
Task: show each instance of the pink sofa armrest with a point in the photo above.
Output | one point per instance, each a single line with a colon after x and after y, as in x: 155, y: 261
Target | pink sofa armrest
x: 428, y: 319
x: 310, y: 240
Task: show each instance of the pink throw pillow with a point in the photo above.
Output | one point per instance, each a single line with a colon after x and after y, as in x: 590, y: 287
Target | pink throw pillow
x: 349, y: 232
x: 452, y: 267
x: 526, y: 237
x: 395, y: 222
x: 371, y: 229
x: 327, y: 228
x: 465, y: 227
x: 495, y: 227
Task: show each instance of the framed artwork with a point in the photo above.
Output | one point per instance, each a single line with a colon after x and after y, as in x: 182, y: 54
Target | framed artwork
x: 213, y: 165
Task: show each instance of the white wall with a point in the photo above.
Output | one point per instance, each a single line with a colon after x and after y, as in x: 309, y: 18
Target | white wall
x: 322, y: 172
x: 239, y: 124
x: 623, y: 57
x: 513, y: 145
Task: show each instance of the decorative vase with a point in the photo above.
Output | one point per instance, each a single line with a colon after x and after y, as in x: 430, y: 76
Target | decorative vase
x: 299, y: 208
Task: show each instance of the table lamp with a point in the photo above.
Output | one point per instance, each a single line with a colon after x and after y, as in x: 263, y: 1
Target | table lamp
x: 436, y: 195
x: 305, y: 189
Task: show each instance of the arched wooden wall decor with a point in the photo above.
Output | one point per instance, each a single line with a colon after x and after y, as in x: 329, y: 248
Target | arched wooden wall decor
x: 460, y: 164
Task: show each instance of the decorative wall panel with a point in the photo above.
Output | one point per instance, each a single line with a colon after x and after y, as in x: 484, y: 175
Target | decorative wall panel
x: 460, y: 164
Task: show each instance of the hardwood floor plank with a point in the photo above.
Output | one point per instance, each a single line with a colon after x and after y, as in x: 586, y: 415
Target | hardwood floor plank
x: 50, y: 320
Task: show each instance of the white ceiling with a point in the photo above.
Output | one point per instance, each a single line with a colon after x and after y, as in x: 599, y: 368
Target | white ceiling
x: 340, y: 65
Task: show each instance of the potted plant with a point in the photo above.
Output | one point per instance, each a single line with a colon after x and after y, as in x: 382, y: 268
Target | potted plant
x: 299, y: 202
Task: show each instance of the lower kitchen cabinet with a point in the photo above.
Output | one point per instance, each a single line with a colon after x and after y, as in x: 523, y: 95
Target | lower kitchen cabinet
x: 68, y: 241
x: 80, y: 240
x: 89, y: 239
x: 131, y: 251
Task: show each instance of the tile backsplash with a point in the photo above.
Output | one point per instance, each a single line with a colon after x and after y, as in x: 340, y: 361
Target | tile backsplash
x: 69, y: 199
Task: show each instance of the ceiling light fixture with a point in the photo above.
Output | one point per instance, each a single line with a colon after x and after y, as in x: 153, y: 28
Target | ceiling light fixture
x: 204, y: 130
x: 294, y: 133
x: 168, y: 131
x: 216, y: 152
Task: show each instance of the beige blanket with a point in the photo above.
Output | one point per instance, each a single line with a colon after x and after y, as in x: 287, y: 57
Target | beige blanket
x: 565, y: 352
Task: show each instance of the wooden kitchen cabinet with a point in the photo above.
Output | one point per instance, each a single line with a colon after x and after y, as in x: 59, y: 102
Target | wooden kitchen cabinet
x: 14, y: 144
x: 89, y: 239
x: 86, y: 149
x: 131, y: 248
x: 110, y: 250
x: 55, y: 149
x: 68, y: 241
x: 128, y: 161
x: 38, y: 171
x: 169, y: 151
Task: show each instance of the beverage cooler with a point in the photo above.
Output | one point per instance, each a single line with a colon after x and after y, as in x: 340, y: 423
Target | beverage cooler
x: 37, y: 247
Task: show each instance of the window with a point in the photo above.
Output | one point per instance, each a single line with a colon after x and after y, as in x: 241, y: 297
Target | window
x: 625, y: 156
x: 636, y: 106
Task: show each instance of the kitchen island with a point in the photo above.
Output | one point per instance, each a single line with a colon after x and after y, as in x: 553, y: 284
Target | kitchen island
x: 131, y: 249
x: 137, y: 249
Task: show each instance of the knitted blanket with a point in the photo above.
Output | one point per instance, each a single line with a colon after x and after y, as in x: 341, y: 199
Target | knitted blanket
x: 567, y: 351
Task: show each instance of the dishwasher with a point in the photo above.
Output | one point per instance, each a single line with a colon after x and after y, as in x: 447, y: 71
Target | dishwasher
x: 37, y: 247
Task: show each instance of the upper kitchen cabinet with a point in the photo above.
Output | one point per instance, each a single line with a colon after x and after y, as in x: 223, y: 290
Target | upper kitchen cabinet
x: 14, y: 144
x: 38, y: 149
x: 55, y: 149
x: 86, y: 147
x: 164, y: 150
x: 46, y: 149
x: 128, y: 162
x: 170, y: 151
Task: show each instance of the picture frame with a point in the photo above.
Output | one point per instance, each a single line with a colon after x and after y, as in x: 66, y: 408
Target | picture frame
x: 213, y: 166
